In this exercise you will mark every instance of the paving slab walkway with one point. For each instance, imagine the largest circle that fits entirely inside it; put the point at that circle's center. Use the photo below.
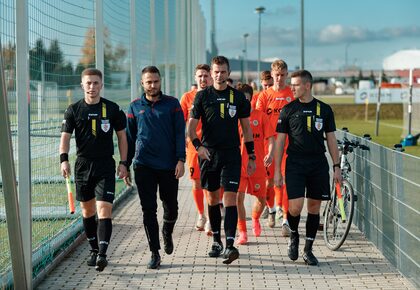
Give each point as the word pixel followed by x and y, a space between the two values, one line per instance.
pixel 263 263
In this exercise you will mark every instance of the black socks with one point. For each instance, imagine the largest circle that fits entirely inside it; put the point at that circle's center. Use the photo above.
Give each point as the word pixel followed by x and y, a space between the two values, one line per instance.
pixel 104 234
pixel 90 227
pixel 312 224
pixel 215 221
pixel 293 222
pixel 231 221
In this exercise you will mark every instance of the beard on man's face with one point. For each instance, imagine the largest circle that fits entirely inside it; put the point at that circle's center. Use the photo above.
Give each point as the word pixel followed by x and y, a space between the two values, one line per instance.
pixel 153 92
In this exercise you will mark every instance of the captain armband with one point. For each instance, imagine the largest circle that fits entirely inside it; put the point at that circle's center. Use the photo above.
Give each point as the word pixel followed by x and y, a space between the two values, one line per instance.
pixel 249 147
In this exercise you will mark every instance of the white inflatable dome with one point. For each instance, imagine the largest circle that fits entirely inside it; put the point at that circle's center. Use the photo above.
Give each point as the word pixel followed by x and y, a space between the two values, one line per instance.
pixel 403 59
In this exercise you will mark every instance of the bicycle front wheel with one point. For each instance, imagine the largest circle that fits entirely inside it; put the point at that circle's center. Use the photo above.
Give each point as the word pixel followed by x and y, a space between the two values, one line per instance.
pixel 336 227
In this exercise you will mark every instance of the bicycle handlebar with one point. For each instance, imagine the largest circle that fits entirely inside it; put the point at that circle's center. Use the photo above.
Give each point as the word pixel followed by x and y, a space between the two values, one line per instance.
pixel 348 145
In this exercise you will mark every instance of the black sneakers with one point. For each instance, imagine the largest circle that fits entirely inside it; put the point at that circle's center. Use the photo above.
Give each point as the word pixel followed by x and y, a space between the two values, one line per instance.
pixel 309 258
pixel 216 250
pixel 101 263
pixel 154 262
pixel 293 246
pixel 92 258
pixel 231 254
pixel 168 244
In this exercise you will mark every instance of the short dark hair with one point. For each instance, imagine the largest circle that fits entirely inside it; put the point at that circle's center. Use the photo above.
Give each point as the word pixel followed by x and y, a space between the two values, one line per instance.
pixel 91 72
pixel 220 60
pixel 245 88
pixel 304 75
pixel 203 66
pixel 229 80
pixel 265 75
pixel 150 69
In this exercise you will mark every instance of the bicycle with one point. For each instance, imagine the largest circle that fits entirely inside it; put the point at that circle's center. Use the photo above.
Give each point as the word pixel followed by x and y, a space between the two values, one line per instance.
pixel 339 211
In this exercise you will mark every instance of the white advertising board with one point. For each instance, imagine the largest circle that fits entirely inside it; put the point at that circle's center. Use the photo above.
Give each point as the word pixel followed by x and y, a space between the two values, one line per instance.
pixel 387 96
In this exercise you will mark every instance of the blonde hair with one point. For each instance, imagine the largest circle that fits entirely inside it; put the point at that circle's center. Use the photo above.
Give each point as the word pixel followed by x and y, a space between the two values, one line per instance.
pixel 279 65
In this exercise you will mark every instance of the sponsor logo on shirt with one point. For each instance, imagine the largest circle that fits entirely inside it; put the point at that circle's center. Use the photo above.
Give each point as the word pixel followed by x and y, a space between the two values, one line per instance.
pixel 279 99
pixel 305 111
pixel 110 192
pixel 221 99
pixel 141 112
pixel 276 111
pixel 233 182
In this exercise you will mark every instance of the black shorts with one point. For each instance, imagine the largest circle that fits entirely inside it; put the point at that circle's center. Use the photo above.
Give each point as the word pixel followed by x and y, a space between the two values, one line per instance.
pixel 95 178
pixel 224 168
pixel 310 173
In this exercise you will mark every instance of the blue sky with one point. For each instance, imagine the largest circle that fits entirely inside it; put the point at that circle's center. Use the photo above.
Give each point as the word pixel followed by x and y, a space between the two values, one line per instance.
pixel 371 30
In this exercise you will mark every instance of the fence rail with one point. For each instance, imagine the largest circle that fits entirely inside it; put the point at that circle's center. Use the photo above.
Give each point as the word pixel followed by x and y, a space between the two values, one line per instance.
pixel 388 208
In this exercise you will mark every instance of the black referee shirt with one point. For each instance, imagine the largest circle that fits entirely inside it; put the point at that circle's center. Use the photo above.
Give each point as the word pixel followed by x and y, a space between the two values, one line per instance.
pixel 219 112
pixel 305 124
pixel 94 125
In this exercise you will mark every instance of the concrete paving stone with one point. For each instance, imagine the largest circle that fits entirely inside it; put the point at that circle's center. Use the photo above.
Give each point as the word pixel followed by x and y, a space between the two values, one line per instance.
pixel 263 262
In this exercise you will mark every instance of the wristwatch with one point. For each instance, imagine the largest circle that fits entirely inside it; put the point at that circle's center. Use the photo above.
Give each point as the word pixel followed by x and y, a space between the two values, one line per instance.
pixel 124 162
pixel 252 157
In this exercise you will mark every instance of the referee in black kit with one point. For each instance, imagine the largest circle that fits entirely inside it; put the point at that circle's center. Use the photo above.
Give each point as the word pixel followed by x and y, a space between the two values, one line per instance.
pixel 94 119
pixel 306 121
pixel 220 107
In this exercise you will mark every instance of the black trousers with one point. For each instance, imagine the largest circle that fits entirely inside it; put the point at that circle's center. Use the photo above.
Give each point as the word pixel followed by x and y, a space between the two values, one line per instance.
pixel 148 180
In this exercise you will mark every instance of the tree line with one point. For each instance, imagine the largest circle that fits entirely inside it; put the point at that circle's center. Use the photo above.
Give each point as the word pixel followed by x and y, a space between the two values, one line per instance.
pixel 49 63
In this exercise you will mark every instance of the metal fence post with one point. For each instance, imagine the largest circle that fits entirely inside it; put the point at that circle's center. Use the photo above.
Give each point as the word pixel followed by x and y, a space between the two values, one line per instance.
pixel 10 191
pixel 24 141
pixel 99 36
pixel 133 50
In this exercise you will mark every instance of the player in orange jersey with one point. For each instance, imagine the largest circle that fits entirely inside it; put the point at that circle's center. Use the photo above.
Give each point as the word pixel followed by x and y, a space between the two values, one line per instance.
pixel 266 81
pixel 271 101
pixel 203 79
pixel 255 184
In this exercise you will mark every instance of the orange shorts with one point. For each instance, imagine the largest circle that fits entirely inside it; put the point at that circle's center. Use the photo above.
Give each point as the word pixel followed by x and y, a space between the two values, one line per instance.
pixel 253 185
pixel 192 163
pixel 270 169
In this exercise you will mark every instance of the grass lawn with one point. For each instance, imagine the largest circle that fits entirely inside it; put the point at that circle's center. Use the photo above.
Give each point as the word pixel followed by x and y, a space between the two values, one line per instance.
pixel 336 99
pixel 389 132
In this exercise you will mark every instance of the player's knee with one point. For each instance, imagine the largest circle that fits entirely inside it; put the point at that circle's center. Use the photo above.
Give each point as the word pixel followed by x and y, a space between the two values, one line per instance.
pixel 196 184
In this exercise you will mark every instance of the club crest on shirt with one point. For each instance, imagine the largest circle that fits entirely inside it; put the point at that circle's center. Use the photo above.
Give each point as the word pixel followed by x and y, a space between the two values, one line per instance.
pixel 105 126
pixel 255 122
pixel 257 186
pixel 318 124
pixel 232 111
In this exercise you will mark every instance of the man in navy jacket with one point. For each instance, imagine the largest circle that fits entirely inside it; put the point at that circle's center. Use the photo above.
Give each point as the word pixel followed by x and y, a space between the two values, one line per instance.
pixel 156 147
